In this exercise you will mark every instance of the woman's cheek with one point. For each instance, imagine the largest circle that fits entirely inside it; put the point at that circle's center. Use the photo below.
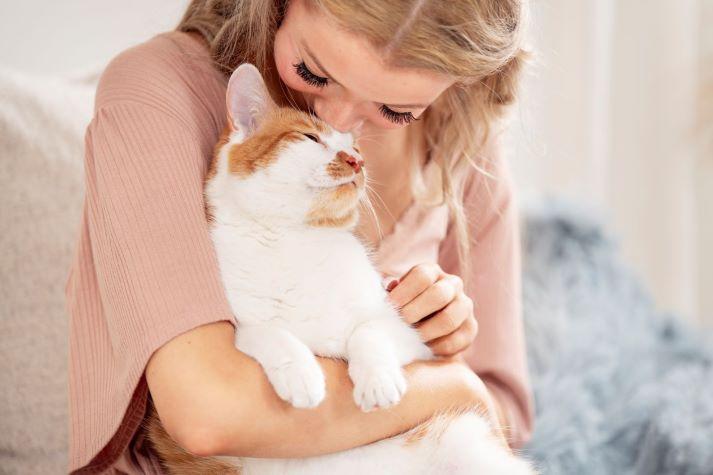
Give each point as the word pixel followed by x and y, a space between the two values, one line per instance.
pixel 285 71
pixel 384 123
pixel 284 58
pixel 292 80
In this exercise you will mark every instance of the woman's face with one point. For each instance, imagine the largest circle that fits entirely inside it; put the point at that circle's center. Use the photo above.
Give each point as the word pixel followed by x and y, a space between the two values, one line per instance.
pixel 342 78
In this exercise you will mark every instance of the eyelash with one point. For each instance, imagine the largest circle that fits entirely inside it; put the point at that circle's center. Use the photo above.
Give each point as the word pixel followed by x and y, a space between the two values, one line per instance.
pixel 397 117
pixel 308 76
pixel 317 81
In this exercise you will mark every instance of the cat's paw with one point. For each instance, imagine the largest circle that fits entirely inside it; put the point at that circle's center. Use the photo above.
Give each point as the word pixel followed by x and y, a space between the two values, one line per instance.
pixel 301 384
pixel 379 385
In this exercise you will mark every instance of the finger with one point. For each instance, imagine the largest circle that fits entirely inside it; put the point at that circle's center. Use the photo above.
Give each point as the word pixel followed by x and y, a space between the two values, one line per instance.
pixel 445 321
pixel 455 342
pixel 415 281
pixel 457 281
pixel 433 299
pixel 389 282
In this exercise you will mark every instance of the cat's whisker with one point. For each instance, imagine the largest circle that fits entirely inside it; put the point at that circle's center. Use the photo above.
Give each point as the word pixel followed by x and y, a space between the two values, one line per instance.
pixel 369 187
pixel 370 207
pixel 288 95
pixel 385 207
pixel 372 181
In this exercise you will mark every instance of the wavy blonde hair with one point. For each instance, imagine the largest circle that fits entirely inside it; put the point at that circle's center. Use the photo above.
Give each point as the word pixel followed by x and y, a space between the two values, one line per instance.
pixel 479 42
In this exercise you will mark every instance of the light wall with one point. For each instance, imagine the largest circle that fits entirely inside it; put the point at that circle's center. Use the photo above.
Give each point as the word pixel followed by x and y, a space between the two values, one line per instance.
pixel 614 114
pixel 72 35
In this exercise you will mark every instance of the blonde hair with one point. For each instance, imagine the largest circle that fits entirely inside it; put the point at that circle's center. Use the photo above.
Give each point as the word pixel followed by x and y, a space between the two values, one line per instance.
pixel 479 42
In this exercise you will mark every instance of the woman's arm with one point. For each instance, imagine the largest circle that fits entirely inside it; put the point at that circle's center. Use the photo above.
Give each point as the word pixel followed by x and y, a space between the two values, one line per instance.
pixel 214 400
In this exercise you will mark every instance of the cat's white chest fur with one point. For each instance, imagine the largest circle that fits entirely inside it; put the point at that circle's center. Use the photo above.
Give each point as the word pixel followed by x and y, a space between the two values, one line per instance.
pixel 297 291
pixel 317 284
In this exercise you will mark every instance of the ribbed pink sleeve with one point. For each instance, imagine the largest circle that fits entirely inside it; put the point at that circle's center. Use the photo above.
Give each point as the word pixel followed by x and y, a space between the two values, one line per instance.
pixel 152 257
pixel 497 355
pixel 145 269
pixel 153 261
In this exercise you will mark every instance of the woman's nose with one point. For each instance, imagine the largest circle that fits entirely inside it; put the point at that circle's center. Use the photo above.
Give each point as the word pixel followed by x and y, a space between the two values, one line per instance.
pixel 341 116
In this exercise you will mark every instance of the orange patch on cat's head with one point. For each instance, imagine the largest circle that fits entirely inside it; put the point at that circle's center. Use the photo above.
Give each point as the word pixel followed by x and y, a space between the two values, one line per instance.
pixel 281 127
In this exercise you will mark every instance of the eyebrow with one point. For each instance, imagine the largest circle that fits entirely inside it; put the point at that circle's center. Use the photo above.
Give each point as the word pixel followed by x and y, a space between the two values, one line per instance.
pixel 329 76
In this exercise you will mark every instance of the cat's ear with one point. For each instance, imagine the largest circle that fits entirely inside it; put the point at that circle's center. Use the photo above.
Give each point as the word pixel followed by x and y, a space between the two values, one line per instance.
pixel 247 99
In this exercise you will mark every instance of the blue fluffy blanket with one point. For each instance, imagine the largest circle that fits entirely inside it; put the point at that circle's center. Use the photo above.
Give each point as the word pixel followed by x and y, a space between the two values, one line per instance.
pixel 620 388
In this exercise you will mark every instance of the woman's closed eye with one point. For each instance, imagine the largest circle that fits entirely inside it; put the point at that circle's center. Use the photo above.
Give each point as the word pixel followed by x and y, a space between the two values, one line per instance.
pixel 308 76
pixel 397 117
pixel 318 81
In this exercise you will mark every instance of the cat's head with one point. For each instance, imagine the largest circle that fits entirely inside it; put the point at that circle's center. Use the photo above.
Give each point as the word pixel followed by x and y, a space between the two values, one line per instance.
pixel 283 163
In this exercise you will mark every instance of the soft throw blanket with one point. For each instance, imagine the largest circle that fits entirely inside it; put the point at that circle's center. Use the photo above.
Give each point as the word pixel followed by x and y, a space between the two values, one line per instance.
pixel 620 388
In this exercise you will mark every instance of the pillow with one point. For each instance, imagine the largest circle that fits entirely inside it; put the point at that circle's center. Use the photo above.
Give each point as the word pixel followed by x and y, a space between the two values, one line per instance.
pixel 42 124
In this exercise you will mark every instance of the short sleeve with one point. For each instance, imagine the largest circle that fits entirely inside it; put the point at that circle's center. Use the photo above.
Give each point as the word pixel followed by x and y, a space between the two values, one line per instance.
pixel 156 268
pixel 497 355
pixel 145 269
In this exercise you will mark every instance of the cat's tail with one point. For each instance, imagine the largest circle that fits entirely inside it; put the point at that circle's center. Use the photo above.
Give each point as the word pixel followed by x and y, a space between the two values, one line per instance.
pixel 454 442
pixel 460 442
pixel 173 458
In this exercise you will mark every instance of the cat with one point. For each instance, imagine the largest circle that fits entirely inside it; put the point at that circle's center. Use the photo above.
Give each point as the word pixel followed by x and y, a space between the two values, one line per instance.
pixel 282 198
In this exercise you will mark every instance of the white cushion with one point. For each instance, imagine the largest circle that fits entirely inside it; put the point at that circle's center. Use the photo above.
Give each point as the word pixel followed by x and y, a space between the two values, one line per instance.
pixel 42 124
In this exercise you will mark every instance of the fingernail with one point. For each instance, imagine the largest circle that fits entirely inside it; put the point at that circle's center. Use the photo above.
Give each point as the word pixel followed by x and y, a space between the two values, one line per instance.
pixel 390 283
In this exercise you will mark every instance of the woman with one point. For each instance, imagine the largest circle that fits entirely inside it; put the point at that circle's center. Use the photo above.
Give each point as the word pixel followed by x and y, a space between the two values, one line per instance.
pixel 419 82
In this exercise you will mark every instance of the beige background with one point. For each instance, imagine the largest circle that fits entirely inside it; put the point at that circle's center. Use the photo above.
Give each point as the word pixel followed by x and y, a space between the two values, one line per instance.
pixel 615 112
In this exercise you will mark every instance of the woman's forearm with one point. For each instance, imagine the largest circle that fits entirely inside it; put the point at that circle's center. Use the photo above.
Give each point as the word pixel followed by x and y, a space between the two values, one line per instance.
pixel 266 426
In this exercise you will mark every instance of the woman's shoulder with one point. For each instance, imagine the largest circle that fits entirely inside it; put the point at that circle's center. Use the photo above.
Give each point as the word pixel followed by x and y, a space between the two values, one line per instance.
pixel 489 189
pixel 492 178
pixel 172 71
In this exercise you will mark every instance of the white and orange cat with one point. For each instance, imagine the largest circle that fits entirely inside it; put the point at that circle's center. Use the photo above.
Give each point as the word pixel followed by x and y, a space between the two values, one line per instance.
pixel 282 197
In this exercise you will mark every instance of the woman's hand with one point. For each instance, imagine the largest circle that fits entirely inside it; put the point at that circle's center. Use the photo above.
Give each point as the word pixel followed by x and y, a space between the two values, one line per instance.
pixel 434 302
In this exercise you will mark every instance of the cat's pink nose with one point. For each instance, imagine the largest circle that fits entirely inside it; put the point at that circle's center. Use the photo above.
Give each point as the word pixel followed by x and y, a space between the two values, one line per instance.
pixel 355 162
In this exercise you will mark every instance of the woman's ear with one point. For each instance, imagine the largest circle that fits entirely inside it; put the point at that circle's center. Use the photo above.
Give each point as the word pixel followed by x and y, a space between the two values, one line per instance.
pixel 247 99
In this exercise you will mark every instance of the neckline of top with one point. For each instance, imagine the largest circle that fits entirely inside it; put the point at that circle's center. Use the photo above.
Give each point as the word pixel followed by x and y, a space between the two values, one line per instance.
pixel 408 217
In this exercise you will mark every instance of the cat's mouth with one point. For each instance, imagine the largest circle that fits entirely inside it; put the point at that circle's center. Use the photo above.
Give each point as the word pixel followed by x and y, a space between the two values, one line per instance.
pixel 355 181
pixel 320 183
pixel 342 181
pixel 350 181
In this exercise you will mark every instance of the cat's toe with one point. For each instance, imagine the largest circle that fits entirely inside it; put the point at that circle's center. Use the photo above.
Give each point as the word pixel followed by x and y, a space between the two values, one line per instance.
pixel 380 386
pixel 301 385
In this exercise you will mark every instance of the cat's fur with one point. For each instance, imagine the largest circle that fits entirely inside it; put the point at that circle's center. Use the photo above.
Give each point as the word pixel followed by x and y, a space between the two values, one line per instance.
pixel 282 198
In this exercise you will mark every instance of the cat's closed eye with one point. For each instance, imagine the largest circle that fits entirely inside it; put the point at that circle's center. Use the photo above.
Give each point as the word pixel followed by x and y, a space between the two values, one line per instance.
pixel 312 137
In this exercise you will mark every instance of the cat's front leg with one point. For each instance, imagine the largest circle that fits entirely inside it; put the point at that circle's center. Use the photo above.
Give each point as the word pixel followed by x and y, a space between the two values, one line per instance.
pixel 374 366
pixel 289 364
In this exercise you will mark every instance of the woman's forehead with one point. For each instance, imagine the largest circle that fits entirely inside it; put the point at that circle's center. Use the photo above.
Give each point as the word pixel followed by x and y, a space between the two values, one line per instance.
pixel 356 65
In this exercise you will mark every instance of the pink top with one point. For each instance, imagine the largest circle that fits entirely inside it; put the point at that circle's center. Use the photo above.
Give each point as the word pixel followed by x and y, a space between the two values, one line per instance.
pixel 145 271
